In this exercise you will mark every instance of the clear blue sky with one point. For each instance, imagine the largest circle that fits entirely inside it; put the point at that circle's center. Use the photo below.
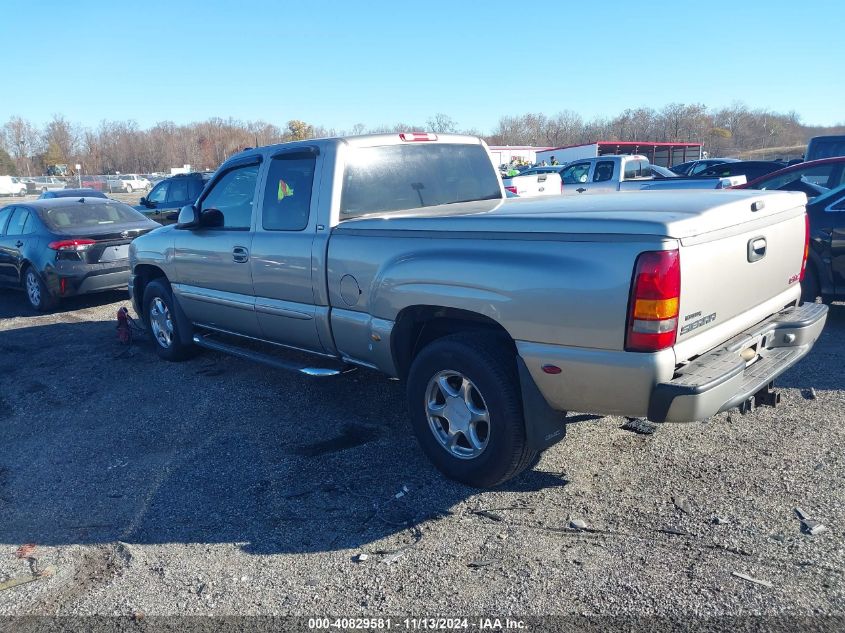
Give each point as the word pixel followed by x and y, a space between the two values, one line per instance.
pixel 337 63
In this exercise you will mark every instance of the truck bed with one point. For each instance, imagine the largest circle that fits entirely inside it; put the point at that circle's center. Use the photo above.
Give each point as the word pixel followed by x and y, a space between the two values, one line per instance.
pixel 660 213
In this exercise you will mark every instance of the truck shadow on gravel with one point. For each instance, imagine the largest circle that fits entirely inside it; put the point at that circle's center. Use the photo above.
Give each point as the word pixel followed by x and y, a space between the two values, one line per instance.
pixel 104 443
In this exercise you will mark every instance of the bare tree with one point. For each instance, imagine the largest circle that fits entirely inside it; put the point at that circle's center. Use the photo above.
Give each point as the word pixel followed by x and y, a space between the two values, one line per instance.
pixel 21 140
pixel 441 124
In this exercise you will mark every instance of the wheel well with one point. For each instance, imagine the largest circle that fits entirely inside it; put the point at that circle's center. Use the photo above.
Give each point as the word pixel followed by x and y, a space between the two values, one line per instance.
pixel 144 274
pixel 22 271
pixel 417 326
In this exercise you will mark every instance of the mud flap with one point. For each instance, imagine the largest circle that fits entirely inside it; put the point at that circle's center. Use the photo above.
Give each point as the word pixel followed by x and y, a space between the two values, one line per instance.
pixel 186 330
pixel 543 425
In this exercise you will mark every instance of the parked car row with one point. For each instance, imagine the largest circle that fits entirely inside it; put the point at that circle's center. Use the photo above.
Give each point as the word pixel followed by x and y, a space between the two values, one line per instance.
pixel 29 185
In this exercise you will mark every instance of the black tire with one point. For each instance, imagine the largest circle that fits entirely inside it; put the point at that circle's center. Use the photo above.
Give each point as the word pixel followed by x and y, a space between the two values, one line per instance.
pixel 22 193
pixel 810 288
pixel 170 347
pixel 40 300
pixel 488 362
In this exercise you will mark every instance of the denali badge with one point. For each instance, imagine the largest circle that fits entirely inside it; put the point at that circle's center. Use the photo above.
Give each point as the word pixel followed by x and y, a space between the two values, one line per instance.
pixel 689 327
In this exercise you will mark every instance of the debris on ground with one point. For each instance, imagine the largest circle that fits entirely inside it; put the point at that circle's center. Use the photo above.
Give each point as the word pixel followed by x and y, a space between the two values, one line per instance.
pixel 25 551
pixel 392 558
pixel 675 531
pixel 360 558
pixel 809 394
pixel 717 520
pixel 490 515
pixel 47 572
pixel 478 564
pixel 756 581
pixel 682 504
pixel 402 492
pixel 808 525
pixel 641 426
pixel 578 524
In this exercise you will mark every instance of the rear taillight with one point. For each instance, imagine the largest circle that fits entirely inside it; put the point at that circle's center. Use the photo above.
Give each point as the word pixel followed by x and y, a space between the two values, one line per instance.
pixel 511 189
pixel 71 245
pixel 806 245
pixel 655 297
pixel 418 136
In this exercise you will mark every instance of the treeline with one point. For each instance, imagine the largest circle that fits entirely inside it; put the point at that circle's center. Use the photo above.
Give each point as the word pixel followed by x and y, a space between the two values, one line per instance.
pixel 122 146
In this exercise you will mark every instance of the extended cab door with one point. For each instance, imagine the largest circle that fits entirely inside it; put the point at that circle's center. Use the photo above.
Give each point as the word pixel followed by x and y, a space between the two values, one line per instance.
pixel 212 261
pixel 282 270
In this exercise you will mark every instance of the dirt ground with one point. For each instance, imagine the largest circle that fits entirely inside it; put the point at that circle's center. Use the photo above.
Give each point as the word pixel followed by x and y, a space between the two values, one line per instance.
pixel 216 486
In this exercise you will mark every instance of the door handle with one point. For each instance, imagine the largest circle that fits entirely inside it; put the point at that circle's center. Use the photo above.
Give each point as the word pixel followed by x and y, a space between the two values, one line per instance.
pixel 240 255
pixel 18 243
pixel 756 248
pixel 580 190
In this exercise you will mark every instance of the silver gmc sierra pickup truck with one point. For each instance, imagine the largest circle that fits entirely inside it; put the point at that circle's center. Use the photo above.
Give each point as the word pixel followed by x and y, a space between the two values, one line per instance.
pixel 400 253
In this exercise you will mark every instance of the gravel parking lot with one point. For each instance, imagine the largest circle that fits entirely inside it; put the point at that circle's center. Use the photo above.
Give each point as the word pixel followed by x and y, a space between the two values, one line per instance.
pixel 216 486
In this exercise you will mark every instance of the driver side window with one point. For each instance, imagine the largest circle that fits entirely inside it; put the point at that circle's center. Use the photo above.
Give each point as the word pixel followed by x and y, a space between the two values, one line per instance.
pixel 230 199
pixel 159 193
pixel 575 174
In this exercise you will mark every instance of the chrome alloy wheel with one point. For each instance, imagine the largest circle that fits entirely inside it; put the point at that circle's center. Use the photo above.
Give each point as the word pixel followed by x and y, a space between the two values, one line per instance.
pixel 33 288
pixel 160 323
pixel 457 414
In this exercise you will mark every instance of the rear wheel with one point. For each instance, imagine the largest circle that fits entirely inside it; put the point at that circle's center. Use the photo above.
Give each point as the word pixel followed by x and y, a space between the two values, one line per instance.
pixel 160 317
pixel 22 193
pixel 466 408
pixel 36 292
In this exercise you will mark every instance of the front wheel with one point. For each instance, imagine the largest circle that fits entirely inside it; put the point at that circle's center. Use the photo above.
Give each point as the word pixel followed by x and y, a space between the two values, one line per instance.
pixel 160 317
pixel 466 408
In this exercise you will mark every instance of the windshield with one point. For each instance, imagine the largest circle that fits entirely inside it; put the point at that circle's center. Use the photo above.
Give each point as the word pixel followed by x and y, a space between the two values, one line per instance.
pixel 400 177
pixel 89 215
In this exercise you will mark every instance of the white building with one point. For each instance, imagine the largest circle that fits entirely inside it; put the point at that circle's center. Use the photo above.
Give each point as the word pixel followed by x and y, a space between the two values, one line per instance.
pixel 504 154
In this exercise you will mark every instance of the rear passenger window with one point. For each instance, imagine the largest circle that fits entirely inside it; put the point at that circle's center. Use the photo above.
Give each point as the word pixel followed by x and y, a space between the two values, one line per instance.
pixel 604 171
pixel 178 190
pixel 4 215
pixel 18 222
pixel 232 195
pixel 287 195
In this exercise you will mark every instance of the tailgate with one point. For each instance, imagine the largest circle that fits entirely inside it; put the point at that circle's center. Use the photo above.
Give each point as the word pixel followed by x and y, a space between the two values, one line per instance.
pixel 534 185
pixel 736 277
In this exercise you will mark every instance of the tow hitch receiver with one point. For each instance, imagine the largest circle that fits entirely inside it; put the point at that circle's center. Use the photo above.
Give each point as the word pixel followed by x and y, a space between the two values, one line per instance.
pixel 767 396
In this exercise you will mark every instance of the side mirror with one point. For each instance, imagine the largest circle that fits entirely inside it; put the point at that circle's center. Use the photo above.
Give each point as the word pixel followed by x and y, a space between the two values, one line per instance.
pixel 188 218
pixel 143 202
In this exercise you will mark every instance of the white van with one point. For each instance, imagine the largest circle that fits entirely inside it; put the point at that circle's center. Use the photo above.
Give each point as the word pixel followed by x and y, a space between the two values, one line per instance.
pixel 11 186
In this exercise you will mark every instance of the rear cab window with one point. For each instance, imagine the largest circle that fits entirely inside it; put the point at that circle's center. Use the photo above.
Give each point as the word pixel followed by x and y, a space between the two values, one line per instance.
pixel 412 176
pixel 636 169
